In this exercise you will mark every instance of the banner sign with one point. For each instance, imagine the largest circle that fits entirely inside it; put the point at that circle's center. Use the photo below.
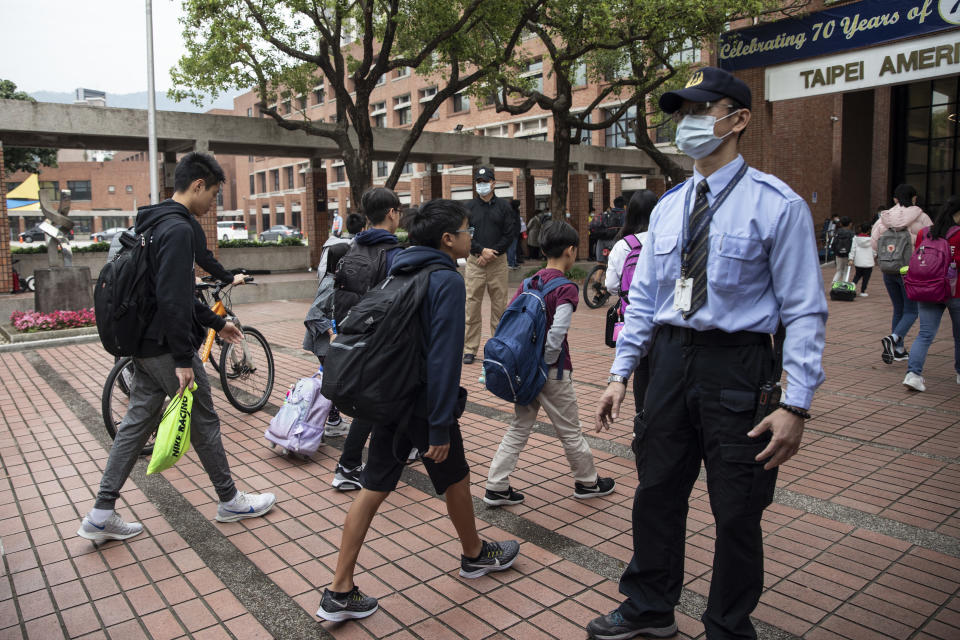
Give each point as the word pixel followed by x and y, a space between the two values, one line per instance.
pixel 896 63
pixel 851 26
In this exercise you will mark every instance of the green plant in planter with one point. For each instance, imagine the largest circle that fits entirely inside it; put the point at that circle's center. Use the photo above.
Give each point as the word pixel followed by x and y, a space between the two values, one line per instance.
pixel 28 250
pixel 575 274
pixel 93 248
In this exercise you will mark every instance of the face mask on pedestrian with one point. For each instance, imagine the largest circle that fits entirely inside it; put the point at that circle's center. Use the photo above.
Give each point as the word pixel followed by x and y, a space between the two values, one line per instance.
pixel 695 135
pixel 484 188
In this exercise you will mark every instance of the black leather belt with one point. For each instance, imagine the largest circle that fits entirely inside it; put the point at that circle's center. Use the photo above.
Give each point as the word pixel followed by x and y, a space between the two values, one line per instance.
pixel 712 337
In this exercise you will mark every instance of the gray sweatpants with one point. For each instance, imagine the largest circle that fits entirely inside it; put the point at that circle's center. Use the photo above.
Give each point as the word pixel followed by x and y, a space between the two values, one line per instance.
pixel 156 379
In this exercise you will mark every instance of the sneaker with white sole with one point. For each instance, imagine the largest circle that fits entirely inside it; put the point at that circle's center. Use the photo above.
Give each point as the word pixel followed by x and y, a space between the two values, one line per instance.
pixel 502 498
pixel 347 479
pixel 494 556
pixel 245 505
pixel 113 529
pixel 888 344
pixel 864 294
pixel 901 355
pixel 336 426
pixel 353 605
pixel 914 381
pixel 602 487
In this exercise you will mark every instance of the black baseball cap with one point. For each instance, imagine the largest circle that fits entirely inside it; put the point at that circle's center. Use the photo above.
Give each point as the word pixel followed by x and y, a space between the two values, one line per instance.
pixel 706 85
pixel 484 174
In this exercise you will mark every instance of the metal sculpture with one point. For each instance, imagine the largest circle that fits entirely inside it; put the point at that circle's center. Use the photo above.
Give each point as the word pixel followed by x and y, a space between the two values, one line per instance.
pixel 57 225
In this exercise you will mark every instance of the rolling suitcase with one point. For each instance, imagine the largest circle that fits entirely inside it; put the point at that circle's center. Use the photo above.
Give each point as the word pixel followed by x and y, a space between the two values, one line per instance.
pixel 844 289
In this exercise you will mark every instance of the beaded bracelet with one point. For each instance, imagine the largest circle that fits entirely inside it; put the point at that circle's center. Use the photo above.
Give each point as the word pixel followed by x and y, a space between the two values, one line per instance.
pixel 797 411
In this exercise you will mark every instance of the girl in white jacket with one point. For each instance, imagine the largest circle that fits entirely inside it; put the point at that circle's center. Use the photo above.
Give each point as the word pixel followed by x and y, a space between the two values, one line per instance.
pixel 862 257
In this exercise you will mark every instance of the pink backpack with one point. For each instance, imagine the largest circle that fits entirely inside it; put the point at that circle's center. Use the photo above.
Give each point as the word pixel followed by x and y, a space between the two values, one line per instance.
pixel 927 278
pixel 629 267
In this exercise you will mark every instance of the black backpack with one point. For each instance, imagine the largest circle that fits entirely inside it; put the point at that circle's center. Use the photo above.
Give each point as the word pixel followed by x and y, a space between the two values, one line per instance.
pixel 123 301
pixel 374 368
pixel 842 243
pixel 363 266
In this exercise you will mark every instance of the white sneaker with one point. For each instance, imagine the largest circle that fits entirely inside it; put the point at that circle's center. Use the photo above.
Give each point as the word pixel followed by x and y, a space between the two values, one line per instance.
pixel 864 294
pixel 113 529
pixel 914 381
pixel 245 505
pixel 337 429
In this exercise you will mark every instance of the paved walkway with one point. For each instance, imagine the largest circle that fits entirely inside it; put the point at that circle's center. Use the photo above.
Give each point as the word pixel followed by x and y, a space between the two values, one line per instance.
pixel 862 541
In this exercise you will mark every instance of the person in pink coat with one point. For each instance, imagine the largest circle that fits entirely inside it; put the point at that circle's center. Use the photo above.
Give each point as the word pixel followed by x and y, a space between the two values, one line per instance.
pixel 905 214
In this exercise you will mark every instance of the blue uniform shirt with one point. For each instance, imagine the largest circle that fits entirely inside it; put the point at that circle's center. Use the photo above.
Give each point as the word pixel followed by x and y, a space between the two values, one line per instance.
pixel 763 266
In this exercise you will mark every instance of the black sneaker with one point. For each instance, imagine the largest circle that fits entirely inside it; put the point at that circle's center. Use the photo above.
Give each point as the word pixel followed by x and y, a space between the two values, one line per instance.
pixel 613 626
pixel 887 355
pixel 347 480
pixel 602 487
pixel 500 498
pixel 494 556
pixel 348 606
pixel 468 358
pixel 901 355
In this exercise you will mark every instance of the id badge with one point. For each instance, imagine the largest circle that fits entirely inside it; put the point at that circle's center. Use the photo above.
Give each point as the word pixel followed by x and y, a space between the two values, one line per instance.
pixel 682 294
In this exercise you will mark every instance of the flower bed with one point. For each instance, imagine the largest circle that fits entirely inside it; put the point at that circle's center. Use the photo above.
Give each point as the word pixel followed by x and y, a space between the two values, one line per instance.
pixel 32 321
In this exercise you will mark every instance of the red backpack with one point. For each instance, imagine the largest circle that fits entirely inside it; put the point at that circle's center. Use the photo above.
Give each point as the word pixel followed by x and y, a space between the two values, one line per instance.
pixel 927 278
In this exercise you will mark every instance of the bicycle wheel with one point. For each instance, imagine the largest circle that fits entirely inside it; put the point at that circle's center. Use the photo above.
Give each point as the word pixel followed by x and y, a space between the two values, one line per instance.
pixel 116 396
pixel 594 293
pixel 215 350
pixel 246 371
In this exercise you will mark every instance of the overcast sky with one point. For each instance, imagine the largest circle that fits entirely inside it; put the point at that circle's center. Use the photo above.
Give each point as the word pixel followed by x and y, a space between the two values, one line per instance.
pixel 59 45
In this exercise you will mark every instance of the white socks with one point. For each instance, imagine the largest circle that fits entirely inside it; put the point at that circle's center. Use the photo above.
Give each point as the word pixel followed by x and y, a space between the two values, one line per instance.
pixel 99 516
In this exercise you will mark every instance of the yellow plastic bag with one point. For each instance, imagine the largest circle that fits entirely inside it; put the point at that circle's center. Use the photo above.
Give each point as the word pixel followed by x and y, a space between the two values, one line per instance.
pixel 173 434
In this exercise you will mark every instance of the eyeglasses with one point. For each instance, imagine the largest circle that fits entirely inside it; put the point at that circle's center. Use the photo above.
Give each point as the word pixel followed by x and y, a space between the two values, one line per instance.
pixel 469 230
pixel 699 109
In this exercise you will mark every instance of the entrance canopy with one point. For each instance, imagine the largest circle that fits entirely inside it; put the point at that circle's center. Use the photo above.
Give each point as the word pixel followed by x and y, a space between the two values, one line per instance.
pixel 26 196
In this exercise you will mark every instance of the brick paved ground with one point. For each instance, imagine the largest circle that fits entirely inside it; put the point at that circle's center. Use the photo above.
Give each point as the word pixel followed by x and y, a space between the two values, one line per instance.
pixel 863 540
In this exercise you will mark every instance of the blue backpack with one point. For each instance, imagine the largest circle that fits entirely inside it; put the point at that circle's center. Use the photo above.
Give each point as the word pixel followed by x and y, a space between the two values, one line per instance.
pixel 513 361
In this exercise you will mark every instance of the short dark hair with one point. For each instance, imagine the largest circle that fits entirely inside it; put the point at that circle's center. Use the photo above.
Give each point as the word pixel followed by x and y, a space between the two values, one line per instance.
pixel 515 204
pixel 355 223
pixel 619 202
pixel 427 224
pixel 196 166
pixel 905 194
pixel 377 202
pixel 556 236
pixel 845 221
pixel 865 227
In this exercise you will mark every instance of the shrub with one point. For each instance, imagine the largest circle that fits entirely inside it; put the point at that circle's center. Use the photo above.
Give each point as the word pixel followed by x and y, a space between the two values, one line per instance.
pixel 25 250
pixel 576 274
pixel 93 248
pixel 255 244
pixel 32 321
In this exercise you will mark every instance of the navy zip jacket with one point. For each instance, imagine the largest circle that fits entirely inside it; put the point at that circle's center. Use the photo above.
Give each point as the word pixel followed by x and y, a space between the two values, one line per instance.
pixel 178 326
pixel 442 323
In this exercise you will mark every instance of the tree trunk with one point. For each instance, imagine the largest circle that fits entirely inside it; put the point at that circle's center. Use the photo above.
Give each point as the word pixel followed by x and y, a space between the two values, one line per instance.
pixel 671 169
pixel 561 163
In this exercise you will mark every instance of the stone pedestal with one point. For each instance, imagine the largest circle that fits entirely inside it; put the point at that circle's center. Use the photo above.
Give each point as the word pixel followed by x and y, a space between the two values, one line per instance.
pixel 63 289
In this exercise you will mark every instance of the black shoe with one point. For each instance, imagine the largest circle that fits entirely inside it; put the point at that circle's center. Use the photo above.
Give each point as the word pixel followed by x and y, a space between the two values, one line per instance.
pixel 613 626
pixel 500 498
pixel 494 556
pixel 347 480
pixel 901 355
pixel 887 355
pixel 349 606
pixel 602 487
pixel 468 358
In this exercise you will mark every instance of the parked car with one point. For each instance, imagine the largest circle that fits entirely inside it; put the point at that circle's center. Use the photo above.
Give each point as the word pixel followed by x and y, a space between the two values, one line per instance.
pixel 36 234
pixel 279 231
pixel 232 230
pixel 107 235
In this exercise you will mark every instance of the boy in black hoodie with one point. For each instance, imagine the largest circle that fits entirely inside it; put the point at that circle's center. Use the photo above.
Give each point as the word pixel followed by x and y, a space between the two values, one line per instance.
pixel 440 234
pixel 166 362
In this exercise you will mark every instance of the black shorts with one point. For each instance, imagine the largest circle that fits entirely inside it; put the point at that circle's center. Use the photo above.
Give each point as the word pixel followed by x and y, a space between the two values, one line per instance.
pixel 384 460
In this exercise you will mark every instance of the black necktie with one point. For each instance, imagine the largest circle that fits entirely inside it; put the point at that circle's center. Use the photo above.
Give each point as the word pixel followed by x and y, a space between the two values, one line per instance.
pixel 699 250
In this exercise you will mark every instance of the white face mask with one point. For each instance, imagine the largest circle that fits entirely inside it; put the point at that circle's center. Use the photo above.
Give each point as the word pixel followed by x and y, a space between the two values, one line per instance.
pixel 695 135
pixel 484 188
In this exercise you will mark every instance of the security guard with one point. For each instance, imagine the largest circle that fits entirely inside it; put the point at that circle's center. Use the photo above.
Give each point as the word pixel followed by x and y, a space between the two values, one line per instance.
pixel 495 226
pixel 730 254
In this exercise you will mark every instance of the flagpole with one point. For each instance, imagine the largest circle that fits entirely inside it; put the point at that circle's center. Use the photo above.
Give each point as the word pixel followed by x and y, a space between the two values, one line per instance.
pixel 151 111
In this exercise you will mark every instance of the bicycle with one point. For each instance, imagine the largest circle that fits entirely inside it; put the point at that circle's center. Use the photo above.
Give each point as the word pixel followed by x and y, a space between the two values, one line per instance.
pixel 595 293
pixel 246 370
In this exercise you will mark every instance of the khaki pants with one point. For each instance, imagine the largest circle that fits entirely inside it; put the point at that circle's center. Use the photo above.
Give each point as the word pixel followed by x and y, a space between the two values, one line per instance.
pixel 492 279
pixel 559 401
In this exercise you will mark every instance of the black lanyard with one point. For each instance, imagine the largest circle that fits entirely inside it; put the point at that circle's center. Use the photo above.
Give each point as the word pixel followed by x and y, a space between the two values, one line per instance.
pixel 707 216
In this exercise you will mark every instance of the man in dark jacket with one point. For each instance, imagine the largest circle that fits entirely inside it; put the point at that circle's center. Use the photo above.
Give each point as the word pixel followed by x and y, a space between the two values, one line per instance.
pixel 495 226
pixel 166 362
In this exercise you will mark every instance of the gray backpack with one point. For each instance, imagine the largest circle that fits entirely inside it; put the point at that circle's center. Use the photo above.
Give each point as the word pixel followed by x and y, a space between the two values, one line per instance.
pixel 894 248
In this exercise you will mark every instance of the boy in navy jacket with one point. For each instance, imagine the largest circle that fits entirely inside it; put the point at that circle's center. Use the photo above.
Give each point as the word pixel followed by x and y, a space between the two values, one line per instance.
pixel 440 235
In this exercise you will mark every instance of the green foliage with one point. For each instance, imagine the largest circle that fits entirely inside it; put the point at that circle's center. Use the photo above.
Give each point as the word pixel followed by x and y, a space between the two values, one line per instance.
pixel 28 250
pixel 28 159
pixel 256 244
pixel 575 274
pixel 96 247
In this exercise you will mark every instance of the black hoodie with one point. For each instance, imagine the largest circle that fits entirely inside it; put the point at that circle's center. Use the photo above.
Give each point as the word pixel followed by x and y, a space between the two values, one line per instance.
pixel 178 324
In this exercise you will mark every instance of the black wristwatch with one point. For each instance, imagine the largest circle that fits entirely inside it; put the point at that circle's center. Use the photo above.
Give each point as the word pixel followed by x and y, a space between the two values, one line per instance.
pixel 797 411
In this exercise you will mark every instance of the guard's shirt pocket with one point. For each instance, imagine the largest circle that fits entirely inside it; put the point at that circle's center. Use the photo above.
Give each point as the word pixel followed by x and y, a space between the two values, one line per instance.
pixel 737 261
pixel 666 257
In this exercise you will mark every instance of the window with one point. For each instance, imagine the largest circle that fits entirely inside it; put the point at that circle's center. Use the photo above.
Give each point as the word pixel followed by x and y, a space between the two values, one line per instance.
pixel 340 174
pixel 586 136
pixel 253 186
pixel 286 106
pixel 79 189
pixel 461 102
pixel 689 53
pixel 499 131
pixel 401 107
pixel 129 188
pixel 52 187
pixel 666 132
pixel 534 71
pixel 378 114
pixel 249 112
pixel 220 198
pixel 318 94
pixel 403 72
pixel 407 168
pixel 532 129
pixel 111 189
pixel 382 169
pixel 275 174
pixel 580 75
pixel 427 94
pixel 620 133
pixel 289 172
pixel 263 182
pixel 381 80
pixel 302 102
